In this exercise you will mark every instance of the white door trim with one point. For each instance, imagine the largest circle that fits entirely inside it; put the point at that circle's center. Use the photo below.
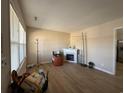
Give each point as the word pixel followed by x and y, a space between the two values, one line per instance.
pixel 114 47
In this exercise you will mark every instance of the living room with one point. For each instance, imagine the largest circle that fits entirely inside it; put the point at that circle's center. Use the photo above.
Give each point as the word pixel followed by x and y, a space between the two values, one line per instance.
pixel 63 38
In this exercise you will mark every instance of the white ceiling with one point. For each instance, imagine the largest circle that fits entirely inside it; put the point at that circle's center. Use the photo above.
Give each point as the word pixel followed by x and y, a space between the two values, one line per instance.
pixel 70 15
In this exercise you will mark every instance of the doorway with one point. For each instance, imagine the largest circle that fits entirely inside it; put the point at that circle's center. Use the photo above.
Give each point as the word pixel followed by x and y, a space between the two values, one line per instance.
pixel 118 34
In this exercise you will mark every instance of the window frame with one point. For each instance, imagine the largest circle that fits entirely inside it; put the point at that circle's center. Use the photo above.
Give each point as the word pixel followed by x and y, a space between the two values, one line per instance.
pixel 13 17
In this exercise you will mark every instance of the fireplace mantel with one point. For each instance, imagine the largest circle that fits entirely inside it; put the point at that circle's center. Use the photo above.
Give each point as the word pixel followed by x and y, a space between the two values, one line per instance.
pixel 70 51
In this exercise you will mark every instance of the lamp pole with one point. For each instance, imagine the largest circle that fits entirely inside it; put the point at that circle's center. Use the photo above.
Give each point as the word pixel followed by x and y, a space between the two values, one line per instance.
pixel 83 50
pixel 37 42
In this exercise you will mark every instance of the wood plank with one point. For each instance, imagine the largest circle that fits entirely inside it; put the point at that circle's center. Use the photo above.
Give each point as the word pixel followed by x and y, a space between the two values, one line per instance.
pixel 72 78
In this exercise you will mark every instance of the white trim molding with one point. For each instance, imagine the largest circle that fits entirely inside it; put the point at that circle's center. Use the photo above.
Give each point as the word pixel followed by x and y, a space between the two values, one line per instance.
pixel 114 47
pixel 103 70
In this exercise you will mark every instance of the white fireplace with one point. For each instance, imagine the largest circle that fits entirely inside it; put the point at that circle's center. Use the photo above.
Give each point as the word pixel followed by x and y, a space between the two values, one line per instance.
pixel 71 55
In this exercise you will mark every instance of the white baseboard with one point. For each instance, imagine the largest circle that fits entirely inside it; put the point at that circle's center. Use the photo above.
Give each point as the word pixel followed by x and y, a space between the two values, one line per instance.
pixel 104 70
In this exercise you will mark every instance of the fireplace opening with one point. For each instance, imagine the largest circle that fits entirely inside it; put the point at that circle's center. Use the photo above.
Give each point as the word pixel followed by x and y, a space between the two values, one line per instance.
pixel 70 57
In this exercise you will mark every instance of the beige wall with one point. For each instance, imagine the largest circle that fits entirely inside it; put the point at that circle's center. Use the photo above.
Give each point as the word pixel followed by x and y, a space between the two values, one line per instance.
pixel 48 42
pixel 99 44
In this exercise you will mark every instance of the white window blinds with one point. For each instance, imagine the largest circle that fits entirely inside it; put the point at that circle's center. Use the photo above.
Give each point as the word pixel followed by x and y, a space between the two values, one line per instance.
pixel 18 40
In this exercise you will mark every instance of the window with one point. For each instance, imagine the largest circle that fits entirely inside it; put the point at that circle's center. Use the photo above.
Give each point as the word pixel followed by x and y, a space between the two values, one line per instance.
pixel 18 41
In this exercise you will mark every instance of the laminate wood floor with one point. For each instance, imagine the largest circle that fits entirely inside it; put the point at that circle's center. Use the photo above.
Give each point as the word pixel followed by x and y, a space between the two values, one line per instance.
pixel 72 78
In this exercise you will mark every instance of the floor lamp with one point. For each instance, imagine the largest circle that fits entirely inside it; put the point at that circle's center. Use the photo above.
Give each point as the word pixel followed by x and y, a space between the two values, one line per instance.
pixel 83 50
pixel 37 44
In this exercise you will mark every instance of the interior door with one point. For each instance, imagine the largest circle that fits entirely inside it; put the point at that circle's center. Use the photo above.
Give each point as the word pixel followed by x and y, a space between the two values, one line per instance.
pixel 120 45
pixel 120 51
pixel 5 47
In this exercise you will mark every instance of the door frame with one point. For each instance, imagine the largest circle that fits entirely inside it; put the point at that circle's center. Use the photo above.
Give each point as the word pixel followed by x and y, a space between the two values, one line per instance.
pixel 114 47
